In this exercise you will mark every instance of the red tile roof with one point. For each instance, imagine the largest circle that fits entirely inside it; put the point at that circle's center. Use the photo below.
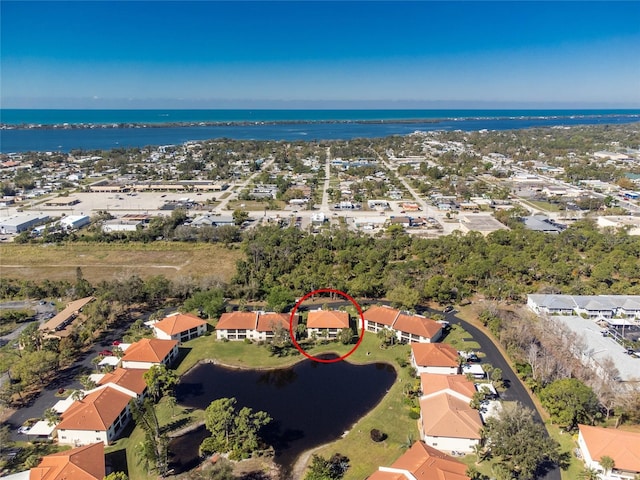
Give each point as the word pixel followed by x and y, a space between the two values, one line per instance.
pixel 267 321
pixel 623 447
pixel 434 355
pixel 425 463
pixel 96 411
pixel 381 314
pixel 433 383
pixel 447 416
pixel 417 325
pixel 327 319
pixel 83 463
pixel 151 350
pixel 237 321
pixel 131 379
pixel 178 323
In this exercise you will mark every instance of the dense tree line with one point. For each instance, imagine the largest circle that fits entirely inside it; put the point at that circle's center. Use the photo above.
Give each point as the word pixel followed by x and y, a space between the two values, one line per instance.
pixel 504 265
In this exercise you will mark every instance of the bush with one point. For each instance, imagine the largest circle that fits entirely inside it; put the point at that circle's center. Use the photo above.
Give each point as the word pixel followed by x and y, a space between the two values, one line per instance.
pixel 377 435
pixel 402 362
pixel 413 414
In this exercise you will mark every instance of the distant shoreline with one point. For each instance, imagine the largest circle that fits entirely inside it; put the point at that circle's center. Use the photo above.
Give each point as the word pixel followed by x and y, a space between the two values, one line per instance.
pixel 246 123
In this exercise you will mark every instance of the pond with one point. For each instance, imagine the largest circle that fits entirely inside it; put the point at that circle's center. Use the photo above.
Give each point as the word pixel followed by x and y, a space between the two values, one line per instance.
pixel 311 403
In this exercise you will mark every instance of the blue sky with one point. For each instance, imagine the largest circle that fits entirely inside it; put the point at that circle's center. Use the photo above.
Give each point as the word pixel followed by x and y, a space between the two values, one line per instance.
pixel 298 54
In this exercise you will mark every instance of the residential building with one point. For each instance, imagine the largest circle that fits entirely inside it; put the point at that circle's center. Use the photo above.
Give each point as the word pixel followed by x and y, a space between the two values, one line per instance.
pixel 99 417
pixel 448 423
pixel 439 358
pixel 82 463
pixel 56 326
pixel 326 323
pixel 258 326
pixel 422 462
pixel 408 328
pixel 180 326
pixel 148 352
pixel 236 325
pixel 621 446
pixel 130 379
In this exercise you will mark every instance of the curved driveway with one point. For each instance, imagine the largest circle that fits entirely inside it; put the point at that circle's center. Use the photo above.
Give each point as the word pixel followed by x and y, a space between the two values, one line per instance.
pixel 515 391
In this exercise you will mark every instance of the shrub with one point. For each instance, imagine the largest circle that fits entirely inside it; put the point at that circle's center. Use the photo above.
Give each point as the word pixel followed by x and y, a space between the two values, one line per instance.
pixel 413 414
pixel 377 435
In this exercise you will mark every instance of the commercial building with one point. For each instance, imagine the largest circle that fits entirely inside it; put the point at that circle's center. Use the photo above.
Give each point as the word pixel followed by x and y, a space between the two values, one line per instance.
pixel 22 223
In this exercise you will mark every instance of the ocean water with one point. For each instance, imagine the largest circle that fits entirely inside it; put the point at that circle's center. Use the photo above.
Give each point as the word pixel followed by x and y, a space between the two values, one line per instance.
pixel 66 130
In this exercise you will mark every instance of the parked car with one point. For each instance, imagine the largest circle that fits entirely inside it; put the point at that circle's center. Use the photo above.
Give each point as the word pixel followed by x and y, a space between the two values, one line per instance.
pixel 448 309
pixel 106 353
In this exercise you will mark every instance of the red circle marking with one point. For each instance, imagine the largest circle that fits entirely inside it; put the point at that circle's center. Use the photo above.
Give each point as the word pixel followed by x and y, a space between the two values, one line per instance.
pixel 293 337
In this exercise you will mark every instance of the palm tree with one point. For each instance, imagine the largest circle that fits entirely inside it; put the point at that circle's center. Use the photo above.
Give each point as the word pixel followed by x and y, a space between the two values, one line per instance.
pixel 607 463
pixel 52 417
pixel 590 474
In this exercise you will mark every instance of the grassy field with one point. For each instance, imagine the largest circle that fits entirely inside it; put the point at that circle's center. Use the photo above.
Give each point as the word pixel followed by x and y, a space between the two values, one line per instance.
pixel 255 205
pixel 106 261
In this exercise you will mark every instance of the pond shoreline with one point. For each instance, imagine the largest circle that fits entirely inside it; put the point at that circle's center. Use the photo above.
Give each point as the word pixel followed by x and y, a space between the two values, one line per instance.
pixel 300 462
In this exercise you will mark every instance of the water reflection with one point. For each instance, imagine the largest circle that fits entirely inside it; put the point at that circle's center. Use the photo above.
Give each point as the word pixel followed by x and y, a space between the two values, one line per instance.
pixel 311 403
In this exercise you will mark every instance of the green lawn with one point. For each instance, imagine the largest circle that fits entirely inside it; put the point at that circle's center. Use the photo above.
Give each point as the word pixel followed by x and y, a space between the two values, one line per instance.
pixel 170 420
pixel 460 339
pixel 568 443
pixel 390 416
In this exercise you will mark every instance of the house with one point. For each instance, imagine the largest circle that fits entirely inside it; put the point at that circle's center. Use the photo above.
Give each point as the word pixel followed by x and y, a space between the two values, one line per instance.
pixel 622 447
pixel 408 328
pixel 236 325
pixel 258 326
pixel 417 328
pixel 180 326
pixel 130 379
pixel 326 323
pixel 422 462
pixel 459 386
pixel 439 358
pixel 99 417
pixel 448 423
pixel 56 326
pixel 150 351
pixel 268 323
pixel 82 463
pixel 378 317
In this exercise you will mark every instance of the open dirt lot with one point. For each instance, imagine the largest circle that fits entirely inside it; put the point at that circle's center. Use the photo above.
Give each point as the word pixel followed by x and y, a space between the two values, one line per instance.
pixel 108 261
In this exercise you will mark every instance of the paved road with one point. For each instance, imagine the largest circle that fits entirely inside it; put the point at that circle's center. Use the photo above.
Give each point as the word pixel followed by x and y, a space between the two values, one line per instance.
pixel 68 380
pixel 324 207
pixel 515 391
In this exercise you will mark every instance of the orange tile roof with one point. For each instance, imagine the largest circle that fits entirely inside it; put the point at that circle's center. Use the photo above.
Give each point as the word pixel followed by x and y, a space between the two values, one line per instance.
pixel 178 323
pixel 237 321
pixel 149 350
pixel 433 383
pixel 417 325
pixel 447 416
pixel 623 447
pixel 96 411
pixel 381 314
pixel 434 355
pixel 327 319
pixel 425 463
pixel 380 475
pixel 131 379
pixel 83 463
pixel 267 321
